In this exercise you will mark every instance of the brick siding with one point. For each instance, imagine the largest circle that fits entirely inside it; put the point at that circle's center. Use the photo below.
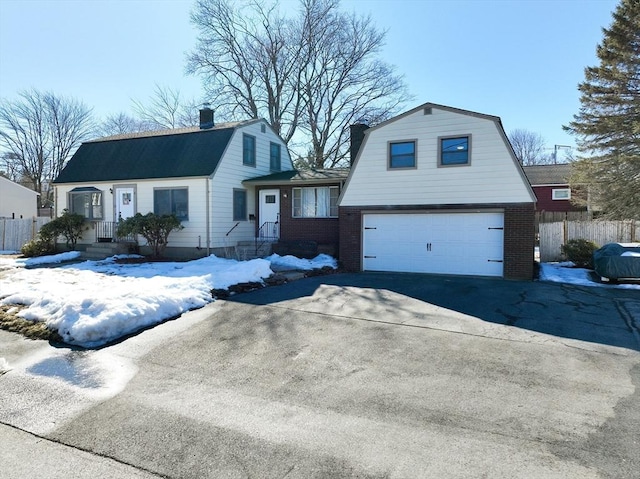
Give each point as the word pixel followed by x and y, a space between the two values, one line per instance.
pixel 519 234
pixel 324 231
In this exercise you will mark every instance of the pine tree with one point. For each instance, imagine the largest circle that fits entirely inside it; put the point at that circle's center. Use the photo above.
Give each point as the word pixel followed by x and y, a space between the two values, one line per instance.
pixel 607 126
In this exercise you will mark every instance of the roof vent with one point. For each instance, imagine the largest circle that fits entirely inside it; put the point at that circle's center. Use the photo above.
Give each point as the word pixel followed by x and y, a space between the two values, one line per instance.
pixel 206 117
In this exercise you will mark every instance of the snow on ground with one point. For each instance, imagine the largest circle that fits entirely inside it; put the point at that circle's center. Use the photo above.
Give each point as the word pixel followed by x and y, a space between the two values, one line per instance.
pixel 567 273
pixel 94 302
pixel 91 303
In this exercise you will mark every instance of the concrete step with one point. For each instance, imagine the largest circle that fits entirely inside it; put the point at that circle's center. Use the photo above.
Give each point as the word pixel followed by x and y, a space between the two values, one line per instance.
pixel 98 251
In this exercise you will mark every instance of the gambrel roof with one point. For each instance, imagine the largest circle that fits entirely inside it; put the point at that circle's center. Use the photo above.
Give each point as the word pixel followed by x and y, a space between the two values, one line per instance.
pixel 179 153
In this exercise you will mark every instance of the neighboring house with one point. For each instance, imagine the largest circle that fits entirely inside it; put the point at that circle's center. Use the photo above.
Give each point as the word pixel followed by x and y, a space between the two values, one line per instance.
pixel 17 201
pixel 550 183
pixel 195 173
pixel 438 190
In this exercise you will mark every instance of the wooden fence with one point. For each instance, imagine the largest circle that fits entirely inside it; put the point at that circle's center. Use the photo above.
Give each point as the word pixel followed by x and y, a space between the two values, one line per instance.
pixel 15 233
pixel 554 235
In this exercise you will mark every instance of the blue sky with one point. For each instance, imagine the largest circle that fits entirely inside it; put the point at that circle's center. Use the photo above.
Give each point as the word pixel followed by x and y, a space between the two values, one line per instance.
pixel 520 60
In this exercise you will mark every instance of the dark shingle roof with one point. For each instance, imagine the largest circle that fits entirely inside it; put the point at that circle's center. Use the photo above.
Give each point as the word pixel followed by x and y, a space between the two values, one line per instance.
pixel 178 153
pixel 302 176
pixel 548 174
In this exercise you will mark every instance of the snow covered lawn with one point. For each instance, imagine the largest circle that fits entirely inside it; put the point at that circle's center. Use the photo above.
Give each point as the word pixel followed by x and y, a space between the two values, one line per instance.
pixel 94 302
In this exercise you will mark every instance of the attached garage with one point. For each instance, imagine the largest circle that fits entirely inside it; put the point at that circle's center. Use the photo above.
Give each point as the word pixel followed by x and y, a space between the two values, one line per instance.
pixel 446 242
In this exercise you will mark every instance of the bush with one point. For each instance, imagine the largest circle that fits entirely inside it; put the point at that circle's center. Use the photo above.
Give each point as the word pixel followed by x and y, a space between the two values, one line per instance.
pixel 37 247
pixel 68 225
pixel 154 228
pixel 580 252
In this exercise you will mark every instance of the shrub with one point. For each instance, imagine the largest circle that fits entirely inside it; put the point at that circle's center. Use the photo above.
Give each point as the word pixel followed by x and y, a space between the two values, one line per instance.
pixel 154 228
pixel 580 252
pixel 37 247
pixel 68 225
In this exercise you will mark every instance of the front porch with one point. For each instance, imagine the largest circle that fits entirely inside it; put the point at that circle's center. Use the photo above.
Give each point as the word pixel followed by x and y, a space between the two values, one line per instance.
pixel 106 242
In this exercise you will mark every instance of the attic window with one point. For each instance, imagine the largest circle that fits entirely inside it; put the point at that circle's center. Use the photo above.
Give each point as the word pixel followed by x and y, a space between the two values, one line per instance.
pixel 454 151
pixel 248 150
pixel 402 154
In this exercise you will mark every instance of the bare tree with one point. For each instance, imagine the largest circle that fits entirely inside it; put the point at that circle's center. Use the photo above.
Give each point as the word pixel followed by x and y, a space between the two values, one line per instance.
pixel 312 73
pixel 122 123
pixel 166 109
pixel 529 147
pixel 250 60
pixel 40 131
pixel 344 81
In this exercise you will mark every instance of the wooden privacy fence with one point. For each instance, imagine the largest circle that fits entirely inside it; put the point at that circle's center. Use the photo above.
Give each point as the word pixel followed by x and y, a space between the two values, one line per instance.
pixel 554 235
pixel 15 233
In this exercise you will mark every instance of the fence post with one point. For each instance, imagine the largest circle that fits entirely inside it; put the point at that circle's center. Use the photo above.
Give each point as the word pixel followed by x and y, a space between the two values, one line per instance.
pixel 565 231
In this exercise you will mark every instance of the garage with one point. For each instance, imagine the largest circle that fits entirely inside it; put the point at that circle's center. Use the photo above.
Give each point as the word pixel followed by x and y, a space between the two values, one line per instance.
pixel 464 243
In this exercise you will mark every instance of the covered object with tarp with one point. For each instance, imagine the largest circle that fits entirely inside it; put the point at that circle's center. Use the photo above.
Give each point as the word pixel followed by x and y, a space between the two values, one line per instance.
pixel 617 261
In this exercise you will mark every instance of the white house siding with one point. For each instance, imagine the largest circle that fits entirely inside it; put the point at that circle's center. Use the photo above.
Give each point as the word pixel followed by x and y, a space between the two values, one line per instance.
pixel 16 201
pixel 492 177
pixel 188 237
pixel 229 176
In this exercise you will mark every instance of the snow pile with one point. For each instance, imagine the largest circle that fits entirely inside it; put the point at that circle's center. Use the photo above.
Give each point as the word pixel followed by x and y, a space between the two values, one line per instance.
pixel 567 273
pixel 291 262
pixel 56 258
pixel 94 302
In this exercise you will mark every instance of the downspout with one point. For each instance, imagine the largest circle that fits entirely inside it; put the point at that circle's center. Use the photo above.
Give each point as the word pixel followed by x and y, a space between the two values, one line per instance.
pixel 208 220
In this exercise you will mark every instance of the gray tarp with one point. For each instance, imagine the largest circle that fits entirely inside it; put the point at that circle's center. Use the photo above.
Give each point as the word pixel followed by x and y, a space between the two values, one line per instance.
pixel 608 262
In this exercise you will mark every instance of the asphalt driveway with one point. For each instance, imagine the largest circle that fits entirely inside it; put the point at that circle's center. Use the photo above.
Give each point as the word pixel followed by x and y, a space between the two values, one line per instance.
pixel 365 375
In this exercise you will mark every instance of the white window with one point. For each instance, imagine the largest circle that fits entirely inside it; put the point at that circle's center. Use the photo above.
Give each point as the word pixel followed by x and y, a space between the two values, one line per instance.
pixel 561 194
pixel 321 202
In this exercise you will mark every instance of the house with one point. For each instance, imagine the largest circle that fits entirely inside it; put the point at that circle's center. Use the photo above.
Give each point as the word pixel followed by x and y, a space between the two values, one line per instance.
pixel 305 204
pixel 195 173
pixel 437 190
pixel 17 201
pixel 550 183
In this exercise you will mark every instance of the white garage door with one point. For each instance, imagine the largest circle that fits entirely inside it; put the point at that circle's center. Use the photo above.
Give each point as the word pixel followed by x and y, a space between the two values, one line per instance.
pixel 445 243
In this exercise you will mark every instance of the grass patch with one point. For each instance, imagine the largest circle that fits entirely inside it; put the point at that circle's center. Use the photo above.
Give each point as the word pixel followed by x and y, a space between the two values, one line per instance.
pixel 10 321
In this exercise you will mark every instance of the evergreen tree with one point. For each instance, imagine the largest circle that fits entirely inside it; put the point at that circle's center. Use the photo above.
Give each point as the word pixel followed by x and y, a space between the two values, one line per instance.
pixel 607 126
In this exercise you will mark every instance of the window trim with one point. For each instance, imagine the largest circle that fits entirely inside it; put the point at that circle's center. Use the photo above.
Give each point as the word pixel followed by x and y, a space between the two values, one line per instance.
pixel 246 136
pixel 390 157
pixel 334 188
pixel 451 137
pixel 233 204
pixel 171 188
pixel 271 157
pixel 90 191
pixel 554 191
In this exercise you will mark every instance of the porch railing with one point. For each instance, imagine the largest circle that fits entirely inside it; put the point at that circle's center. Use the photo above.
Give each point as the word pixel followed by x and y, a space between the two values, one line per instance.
pixel 268 232
pixel 107 232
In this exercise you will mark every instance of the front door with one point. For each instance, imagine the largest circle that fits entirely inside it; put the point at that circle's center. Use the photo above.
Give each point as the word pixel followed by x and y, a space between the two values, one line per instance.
pixel 269 214
pixel 125 202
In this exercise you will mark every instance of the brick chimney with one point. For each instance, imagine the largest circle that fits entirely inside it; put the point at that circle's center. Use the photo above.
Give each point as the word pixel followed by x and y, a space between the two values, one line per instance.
pixel 357 136
pixel 206 117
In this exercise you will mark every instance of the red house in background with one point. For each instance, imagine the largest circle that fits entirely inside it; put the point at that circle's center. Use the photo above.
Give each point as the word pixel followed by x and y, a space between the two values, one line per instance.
pixel 550 183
